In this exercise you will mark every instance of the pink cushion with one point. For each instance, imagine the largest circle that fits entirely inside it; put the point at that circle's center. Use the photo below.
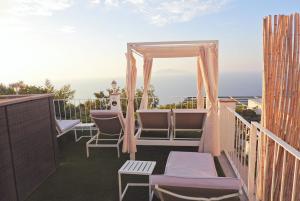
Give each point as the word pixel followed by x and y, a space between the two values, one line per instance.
pixel 207 183
pixel 190 111
pixel 108 114
pixel 64 125
pixel 190 165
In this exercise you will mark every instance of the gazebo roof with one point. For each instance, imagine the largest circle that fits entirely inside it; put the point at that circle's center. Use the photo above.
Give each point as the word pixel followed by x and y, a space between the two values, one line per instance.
pixel 170 49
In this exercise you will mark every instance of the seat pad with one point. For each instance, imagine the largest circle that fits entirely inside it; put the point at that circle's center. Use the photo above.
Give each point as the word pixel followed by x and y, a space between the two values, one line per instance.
pixel 65 125
pixel 190 165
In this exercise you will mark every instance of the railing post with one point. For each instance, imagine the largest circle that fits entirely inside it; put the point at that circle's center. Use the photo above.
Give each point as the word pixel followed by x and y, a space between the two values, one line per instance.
pixel 252 162
pixel 227 124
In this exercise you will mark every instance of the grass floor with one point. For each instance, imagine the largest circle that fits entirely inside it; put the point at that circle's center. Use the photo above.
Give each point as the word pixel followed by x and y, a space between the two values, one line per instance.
pixel 95 179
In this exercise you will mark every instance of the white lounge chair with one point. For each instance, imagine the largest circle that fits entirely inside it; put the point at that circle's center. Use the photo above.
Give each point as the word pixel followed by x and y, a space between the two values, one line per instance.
pixel 64 126
pixel 193 176
pixel 110 125
pixel 188 120
pixel 154 120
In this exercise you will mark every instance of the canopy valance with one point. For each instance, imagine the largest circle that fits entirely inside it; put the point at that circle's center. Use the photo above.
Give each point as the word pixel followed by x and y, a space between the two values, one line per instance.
pixel 169 50
pixel 207 74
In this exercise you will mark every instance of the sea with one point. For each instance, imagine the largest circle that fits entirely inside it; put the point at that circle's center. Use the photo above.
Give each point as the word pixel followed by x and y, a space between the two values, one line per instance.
pixel 170 88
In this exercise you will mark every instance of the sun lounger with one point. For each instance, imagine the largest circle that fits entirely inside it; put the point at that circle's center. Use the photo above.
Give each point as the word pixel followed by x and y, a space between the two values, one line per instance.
pixel 154 120
pixel 64 126
pixel 188 120
pixel 193 176
pixel 110 125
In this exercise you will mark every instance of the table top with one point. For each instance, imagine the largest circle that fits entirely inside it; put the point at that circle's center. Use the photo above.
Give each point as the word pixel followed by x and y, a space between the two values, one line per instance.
pixel 137 167
pixel 85 125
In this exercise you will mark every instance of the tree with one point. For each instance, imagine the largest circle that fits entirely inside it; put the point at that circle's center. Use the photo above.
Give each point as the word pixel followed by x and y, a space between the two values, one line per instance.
pixel 153 99
pixel 49 86
pixel 6 90
pixel 65 92
pixel 17 86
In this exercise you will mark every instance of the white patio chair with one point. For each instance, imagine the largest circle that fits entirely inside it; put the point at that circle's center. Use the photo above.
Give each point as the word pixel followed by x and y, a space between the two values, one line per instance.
pixel 154 120
pixel 64 126
pixel 188 120
pixel 110 125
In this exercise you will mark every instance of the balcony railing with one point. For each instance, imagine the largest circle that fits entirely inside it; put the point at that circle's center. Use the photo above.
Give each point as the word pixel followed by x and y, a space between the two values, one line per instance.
pixel 242 143
pixel 80 108
pixel 235 134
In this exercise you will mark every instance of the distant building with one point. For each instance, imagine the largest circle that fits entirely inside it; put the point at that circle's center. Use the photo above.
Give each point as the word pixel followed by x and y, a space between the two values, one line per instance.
pixel 255 104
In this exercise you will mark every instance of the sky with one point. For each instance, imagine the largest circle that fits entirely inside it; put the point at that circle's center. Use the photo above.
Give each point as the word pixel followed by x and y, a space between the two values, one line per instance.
pixel 65 40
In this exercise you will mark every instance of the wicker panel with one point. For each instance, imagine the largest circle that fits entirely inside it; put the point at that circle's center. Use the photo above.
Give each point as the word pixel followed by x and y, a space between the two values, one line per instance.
pixel 32 144
pixel 7 184
pixel 54 132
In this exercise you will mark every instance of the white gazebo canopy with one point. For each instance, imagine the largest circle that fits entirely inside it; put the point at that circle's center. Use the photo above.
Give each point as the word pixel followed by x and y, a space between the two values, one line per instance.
pixel 169 49
pixel 207 73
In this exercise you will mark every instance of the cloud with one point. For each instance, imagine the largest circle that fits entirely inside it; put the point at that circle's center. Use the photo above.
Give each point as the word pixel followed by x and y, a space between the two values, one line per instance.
pixel 68 29
pixel 38 7
pixel 112 2
pixel 94 1
pixel 171 11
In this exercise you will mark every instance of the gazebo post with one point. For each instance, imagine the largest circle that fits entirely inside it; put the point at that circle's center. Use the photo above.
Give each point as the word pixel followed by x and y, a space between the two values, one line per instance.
pixel 131 154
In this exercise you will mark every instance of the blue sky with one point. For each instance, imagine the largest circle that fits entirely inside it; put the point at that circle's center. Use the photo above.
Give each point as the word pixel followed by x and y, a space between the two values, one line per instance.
pixel 86 39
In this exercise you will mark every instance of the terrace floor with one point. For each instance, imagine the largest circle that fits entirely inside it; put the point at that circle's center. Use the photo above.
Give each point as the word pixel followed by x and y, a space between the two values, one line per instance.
pixel 80 179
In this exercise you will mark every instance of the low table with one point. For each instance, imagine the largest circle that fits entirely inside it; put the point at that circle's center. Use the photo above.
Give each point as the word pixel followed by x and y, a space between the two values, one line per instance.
pixel 132 167
pixel 84 126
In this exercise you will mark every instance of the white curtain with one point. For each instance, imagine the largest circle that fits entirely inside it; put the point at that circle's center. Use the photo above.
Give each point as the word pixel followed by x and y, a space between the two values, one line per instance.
pixel 129 142
pixel 147 77
pixel 208 63
pixel 200 101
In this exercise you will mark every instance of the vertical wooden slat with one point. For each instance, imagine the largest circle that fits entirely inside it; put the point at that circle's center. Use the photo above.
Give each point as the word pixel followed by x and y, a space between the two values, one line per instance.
pixel 282 185
pixel 273 172
pixel 295 180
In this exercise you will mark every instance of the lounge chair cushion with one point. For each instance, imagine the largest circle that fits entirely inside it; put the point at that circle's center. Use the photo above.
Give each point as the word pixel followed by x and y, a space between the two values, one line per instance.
pixel 108 121
pixel 64 125
pixel 205 183
pixel 189 118
pixel 155 119
pixel 190 165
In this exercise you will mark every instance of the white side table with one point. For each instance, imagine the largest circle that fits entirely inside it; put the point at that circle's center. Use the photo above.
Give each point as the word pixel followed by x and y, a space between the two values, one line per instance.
pixel 132 167
pixel 83 127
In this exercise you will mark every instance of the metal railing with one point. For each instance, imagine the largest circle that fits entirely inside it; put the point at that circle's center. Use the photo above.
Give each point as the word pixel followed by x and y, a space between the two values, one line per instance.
pixel 236 131
pixel 243 144
pixel 276 162
pixel 80 108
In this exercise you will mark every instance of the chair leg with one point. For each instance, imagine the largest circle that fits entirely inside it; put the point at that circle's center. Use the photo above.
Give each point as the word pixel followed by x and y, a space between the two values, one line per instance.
pixel 75 135
pixel 91 132
pixel 118 150
pixel 87 151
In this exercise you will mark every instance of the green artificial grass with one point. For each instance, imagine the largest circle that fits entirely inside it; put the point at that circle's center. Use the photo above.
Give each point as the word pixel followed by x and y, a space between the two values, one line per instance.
pixel 95 179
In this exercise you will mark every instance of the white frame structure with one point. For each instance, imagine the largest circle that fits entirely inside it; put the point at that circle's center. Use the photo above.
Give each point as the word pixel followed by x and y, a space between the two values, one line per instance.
pixel 96 139
pixel 133 48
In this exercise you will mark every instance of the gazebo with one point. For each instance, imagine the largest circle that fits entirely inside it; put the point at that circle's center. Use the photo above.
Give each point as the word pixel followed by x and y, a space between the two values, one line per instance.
pixel 206 53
